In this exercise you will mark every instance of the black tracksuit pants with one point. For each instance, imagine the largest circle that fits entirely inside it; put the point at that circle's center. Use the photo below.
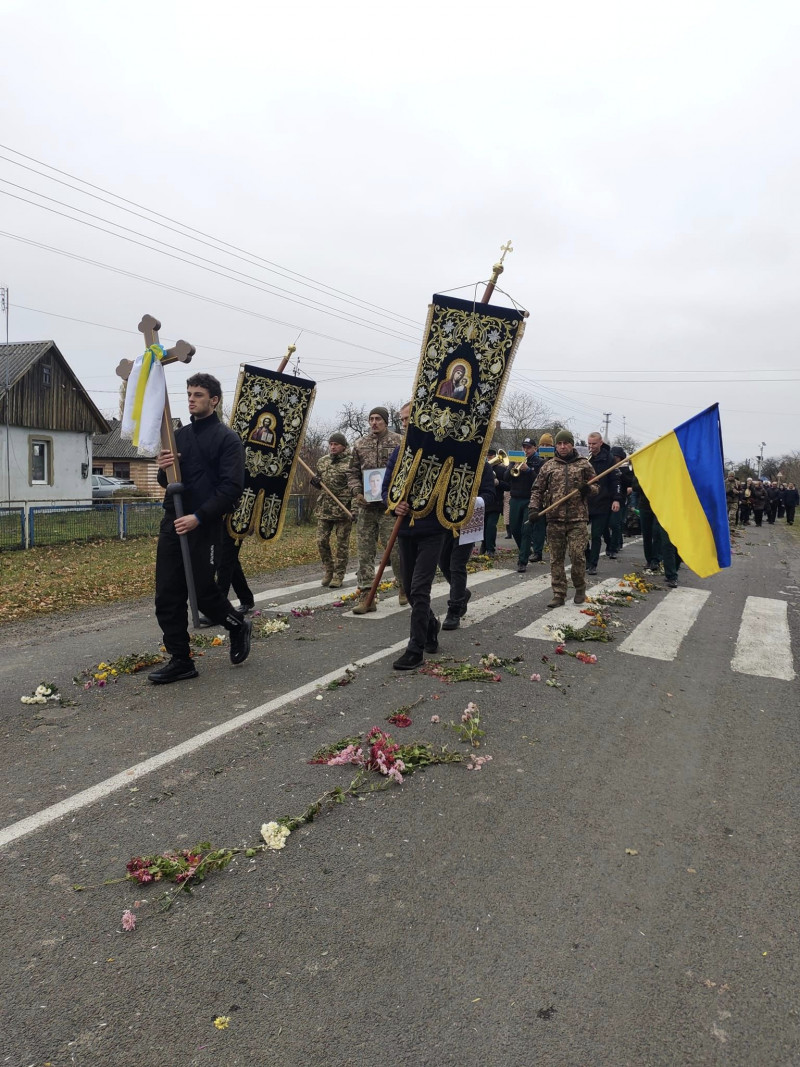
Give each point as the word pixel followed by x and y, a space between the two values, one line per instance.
pixel 171 592
pixel 453 560
pixel 229 570
pixel 419 557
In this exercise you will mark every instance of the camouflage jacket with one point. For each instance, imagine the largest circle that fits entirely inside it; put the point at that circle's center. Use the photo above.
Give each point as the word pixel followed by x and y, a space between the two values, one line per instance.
pixel 558 477
pixel 332 471
pixel 370 452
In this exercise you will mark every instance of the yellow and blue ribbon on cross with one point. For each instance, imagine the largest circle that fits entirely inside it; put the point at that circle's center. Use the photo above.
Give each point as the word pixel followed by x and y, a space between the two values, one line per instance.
pixel 155 353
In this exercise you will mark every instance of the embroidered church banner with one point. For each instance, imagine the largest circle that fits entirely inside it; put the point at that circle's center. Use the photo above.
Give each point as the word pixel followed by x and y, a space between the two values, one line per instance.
pixel 270 414
pixel 466 357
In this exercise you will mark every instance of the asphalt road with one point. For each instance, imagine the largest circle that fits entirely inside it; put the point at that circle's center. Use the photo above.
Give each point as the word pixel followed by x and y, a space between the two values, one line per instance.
pixel 618 886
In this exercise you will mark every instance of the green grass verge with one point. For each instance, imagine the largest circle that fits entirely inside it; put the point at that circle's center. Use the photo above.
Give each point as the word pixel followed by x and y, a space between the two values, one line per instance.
pixel 70 577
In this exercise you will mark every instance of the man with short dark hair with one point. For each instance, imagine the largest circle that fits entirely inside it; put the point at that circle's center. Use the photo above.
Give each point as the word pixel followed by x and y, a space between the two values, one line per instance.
pixel 212 472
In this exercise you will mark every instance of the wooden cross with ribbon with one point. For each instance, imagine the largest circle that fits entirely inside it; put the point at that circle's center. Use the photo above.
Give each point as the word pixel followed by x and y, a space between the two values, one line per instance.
pixel 181 352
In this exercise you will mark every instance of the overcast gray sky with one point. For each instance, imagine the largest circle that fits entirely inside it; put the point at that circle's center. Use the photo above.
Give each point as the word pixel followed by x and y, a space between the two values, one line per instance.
pixel 644 159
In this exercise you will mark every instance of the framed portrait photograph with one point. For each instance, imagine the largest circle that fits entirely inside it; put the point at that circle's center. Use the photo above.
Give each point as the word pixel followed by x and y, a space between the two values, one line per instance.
pixel 373 480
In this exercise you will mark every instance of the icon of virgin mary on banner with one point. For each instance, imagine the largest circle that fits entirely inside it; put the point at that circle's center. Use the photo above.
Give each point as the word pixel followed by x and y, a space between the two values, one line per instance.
pixel 466 357
pixel 270 414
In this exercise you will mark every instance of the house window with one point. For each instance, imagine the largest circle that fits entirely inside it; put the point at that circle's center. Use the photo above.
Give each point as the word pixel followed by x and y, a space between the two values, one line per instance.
pixel 41 461
pixel 47 375
pixel 98 469
pixel 122 470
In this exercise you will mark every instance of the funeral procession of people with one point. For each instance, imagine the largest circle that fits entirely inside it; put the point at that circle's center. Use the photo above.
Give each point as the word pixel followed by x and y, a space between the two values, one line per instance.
pixel 418 504
pixel 423 489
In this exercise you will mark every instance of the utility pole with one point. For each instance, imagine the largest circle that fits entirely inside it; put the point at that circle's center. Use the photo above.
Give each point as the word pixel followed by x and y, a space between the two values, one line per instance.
pixel 607 416
pixel 761 458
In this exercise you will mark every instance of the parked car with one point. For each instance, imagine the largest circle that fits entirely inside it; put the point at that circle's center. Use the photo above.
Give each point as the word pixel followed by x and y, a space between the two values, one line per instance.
pixel 103 486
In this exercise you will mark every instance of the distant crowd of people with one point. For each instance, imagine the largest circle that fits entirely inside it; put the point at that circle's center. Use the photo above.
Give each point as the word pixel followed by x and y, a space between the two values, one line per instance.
pixel 756 498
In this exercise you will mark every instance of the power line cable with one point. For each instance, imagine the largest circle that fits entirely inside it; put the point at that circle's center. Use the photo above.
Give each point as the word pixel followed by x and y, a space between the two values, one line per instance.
pixel 211 348
pixel 198 296
pixel 236 251
pixel 146 243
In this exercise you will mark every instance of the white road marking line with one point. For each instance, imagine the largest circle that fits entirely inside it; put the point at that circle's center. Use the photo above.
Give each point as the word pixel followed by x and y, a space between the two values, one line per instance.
pixel 139 770
pixel 569 615
pixel 505 598
pixel 292 590
pixel 764 647
pixel 660 635
pixel 438 592
pixel 118 781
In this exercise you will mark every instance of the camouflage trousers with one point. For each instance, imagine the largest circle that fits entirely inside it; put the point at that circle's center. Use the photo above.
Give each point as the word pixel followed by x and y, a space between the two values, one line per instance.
pixel 374 525
pixel 563 537
pixel 336 562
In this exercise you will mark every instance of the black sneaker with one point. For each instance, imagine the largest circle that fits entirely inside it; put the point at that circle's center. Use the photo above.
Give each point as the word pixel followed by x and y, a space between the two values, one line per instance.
pixel 432 644
pixel 240 641
pixel 536 558
pixel 672 583
pixel 521 568
pixel 452 622
pixel 591 570
pixel 611 555
pixel 174 671
pixel 408 661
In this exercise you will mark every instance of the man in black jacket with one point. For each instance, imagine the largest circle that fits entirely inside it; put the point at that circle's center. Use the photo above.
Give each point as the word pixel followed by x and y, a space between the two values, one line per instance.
pixel 518 479
pixel 212 469
pixel 606 500
pixel 419 547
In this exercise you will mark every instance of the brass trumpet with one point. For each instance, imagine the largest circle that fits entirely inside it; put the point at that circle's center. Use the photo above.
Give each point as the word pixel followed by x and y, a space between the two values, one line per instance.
pixel 517 469
pixel 501 458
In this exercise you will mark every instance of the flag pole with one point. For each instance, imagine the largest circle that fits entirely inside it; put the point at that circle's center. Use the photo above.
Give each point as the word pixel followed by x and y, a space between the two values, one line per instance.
pixel 591 481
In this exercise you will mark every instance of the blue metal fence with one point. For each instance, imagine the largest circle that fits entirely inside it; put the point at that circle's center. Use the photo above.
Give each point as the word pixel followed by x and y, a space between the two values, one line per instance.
pixel 55 524
pixel 12 528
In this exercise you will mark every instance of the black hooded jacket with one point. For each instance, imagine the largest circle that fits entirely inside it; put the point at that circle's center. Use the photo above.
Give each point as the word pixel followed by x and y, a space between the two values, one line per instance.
pixel 211 460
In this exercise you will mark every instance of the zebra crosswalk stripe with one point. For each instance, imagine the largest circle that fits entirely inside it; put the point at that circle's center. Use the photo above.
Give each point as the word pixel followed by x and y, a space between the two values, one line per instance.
pixel 661 634
pixel 569 615
pixel 763 647
pixel 504 598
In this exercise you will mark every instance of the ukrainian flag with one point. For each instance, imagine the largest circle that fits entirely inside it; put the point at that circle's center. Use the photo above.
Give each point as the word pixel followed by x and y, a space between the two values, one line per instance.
pixel 683 477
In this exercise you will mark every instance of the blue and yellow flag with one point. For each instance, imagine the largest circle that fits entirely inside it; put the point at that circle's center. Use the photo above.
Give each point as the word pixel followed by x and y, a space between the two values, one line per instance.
pixel 683 477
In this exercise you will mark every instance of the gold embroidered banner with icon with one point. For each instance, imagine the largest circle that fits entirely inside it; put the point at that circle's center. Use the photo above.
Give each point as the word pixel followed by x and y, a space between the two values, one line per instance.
pixel 466 357
pixel 270 414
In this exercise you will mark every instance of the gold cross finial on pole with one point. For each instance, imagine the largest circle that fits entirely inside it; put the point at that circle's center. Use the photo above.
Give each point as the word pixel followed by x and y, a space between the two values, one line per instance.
pixel 497 270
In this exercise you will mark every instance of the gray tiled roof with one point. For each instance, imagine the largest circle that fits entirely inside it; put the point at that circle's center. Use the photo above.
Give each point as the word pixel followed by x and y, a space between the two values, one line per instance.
pixel 17 359
pixel 111 445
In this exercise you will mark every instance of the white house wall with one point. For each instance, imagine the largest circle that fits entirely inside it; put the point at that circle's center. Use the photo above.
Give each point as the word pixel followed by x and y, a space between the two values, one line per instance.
pixel 71 452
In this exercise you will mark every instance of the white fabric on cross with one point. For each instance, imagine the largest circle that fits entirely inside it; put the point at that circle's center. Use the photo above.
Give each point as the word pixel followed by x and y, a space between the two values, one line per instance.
pixel 152 408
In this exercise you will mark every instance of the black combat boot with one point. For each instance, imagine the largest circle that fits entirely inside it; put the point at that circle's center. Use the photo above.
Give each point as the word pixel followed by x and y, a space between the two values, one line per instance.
pixel 174 671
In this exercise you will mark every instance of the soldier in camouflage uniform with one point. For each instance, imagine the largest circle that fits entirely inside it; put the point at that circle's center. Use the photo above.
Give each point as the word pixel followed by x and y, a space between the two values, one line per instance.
pixel 566 524
pixel 332 473
pixel 372 452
